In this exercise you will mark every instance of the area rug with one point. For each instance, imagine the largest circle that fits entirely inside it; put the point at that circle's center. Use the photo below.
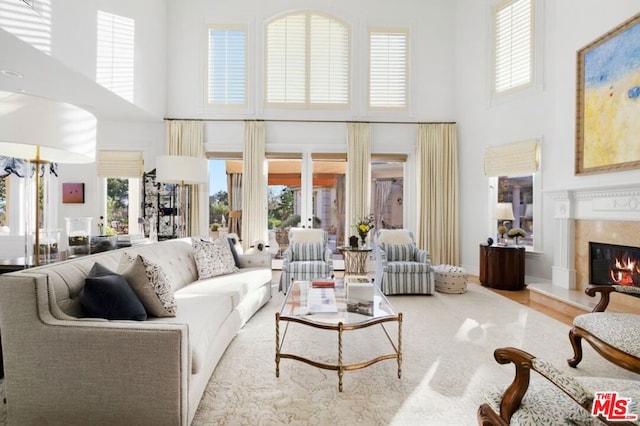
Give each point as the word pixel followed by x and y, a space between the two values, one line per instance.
pixel 447 341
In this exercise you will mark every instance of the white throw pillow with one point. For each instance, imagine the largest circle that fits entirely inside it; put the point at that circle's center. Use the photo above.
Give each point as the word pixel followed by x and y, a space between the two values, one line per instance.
pixel 213 258
pixel 394 236
pixel 305 235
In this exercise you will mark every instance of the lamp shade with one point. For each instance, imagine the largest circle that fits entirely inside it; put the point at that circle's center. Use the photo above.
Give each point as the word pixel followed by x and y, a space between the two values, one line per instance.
pixel 503 211
pixel 181 169
pixel 35 128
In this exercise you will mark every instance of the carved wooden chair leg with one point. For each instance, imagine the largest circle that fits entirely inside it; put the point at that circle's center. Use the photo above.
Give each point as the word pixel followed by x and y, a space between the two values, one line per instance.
pixel 576 342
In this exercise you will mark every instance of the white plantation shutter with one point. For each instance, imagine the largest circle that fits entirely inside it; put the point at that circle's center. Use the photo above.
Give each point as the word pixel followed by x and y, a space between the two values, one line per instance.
pixel 308 60
pixel 286 59
pixel 388 54
pixel 227 66
pixel 513 44
pixel 329 61
pixel 515 159
pixel 115 54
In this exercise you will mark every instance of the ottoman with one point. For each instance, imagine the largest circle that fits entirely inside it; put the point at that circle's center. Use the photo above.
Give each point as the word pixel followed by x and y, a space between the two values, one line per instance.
pixel 450 279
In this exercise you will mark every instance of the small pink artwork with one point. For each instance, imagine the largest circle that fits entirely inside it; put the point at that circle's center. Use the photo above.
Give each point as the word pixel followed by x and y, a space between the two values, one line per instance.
pixel 73 193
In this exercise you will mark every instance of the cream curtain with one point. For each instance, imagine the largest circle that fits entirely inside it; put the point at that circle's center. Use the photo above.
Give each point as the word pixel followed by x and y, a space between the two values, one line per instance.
pixel 437 229
pixel 383 190
pixel 234 193
pixel 186 137
pixel 358 174
pixel 254 185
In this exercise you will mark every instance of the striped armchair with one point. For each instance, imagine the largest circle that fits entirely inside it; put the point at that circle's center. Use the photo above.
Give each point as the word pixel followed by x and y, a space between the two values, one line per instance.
pixel 401 267
pixel 308 256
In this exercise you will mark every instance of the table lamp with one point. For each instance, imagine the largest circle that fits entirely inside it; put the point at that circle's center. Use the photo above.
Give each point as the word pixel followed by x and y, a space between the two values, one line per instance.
pixel 43 131
pixel 184 171
pixel 504 213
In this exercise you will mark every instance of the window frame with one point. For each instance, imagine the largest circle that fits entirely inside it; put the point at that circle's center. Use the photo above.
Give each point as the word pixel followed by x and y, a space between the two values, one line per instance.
pixel 389 30
pixel 207 82
pixel 307 103
pixel 535 83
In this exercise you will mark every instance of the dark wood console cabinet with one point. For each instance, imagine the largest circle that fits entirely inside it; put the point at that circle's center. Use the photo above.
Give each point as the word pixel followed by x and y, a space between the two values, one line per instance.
pixel 502 267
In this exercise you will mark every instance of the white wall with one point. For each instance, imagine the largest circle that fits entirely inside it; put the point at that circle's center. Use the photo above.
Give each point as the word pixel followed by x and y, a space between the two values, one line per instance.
pixel 431 76
pixel 74 43
pixel 548 113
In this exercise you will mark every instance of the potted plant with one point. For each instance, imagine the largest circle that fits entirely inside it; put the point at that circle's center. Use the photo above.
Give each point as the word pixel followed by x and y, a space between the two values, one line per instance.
pixel 214 230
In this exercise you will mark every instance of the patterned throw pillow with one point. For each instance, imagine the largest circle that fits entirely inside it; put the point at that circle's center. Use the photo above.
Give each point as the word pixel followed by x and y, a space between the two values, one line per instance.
pixel 307 251
pixel 213 258
pixel 399 252
pixel 150 283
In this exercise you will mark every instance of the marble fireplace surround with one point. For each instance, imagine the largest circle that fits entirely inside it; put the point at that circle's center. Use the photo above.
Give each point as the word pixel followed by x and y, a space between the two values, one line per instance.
pixel 604 214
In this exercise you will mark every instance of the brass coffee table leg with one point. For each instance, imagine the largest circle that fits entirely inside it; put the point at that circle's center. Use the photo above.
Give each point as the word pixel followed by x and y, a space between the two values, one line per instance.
pixel 340 370
pixel 399 345
pixel 277 344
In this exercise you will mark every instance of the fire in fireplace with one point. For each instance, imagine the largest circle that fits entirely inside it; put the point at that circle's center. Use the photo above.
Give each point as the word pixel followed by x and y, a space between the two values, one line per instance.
pixel 614 264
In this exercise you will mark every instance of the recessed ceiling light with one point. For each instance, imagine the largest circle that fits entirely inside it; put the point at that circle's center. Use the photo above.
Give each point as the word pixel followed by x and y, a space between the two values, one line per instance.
pixel 11 73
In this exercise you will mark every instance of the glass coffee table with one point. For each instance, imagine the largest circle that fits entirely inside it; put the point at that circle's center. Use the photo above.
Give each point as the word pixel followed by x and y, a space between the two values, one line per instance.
pixel 352 303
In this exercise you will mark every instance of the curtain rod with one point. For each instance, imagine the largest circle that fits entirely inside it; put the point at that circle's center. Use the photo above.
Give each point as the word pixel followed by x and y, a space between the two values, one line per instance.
pixel 278 120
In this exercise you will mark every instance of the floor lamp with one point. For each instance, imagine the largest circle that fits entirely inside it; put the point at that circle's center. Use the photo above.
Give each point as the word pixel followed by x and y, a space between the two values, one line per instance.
pixel 43 131
pixel 184 171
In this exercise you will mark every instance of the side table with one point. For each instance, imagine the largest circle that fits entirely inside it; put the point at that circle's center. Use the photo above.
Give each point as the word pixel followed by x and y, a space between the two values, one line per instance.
pixel 502 267
pixel 355 260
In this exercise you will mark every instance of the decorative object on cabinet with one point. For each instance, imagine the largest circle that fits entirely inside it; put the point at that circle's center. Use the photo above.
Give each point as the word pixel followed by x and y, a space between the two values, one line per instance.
pixel 503 212
pixel 43 132
pixel 184 171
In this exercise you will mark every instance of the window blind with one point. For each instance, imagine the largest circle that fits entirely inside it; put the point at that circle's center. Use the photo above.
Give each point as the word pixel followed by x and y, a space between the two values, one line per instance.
pixel 120 164
pixel 388 54
pixel 115 54
pixel 329 61
pixel 514 159
pixel 513 44
pixel 227 66
pixel 308 60
pixel 286 59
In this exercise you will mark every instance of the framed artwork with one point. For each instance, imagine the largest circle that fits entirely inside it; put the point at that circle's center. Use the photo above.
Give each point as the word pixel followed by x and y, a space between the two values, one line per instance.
pixel 73 193
pixel 608 101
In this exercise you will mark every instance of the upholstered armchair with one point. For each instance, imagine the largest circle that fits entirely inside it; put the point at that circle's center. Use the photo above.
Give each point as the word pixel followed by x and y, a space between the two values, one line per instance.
pixel 558 398
pixel 401 267
pixel 614 335
pixel 307 257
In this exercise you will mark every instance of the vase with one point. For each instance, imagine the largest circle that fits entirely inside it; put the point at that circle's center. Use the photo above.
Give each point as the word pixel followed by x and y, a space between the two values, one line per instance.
pixel 363 241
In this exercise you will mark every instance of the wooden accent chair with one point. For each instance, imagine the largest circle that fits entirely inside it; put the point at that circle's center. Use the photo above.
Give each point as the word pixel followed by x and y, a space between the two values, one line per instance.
pixel 613 335
pixel 558 399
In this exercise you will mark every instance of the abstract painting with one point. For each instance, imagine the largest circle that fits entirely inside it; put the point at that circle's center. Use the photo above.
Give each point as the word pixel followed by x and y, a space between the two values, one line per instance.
pixel 608 101
pixel 73 193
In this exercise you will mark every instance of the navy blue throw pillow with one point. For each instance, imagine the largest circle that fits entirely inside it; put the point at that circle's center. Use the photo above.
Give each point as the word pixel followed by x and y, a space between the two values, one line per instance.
pixel 99 270
pixel 111 297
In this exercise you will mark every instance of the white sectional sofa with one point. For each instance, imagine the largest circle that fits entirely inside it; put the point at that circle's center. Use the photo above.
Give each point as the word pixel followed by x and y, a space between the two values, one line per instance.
pixel 65 369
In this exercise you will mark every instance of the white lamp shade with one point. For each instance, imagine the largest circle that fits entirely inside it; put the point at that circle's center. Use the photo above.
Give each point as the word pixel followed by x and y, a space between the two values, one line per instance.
pixel 503 211
pixel 35 128
pixel 181 169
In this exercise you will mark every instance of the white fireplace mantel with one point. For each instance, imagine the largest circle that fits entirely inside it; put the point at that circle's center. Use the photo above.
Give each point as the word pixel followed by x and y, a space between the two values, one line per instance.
pixel 619 203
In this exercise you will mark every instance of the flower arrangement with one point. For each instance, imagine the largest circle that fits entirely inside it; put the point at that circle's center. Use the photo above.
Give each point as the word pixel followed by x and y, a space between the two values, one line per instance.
pixel 363 226
pixel 516 233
